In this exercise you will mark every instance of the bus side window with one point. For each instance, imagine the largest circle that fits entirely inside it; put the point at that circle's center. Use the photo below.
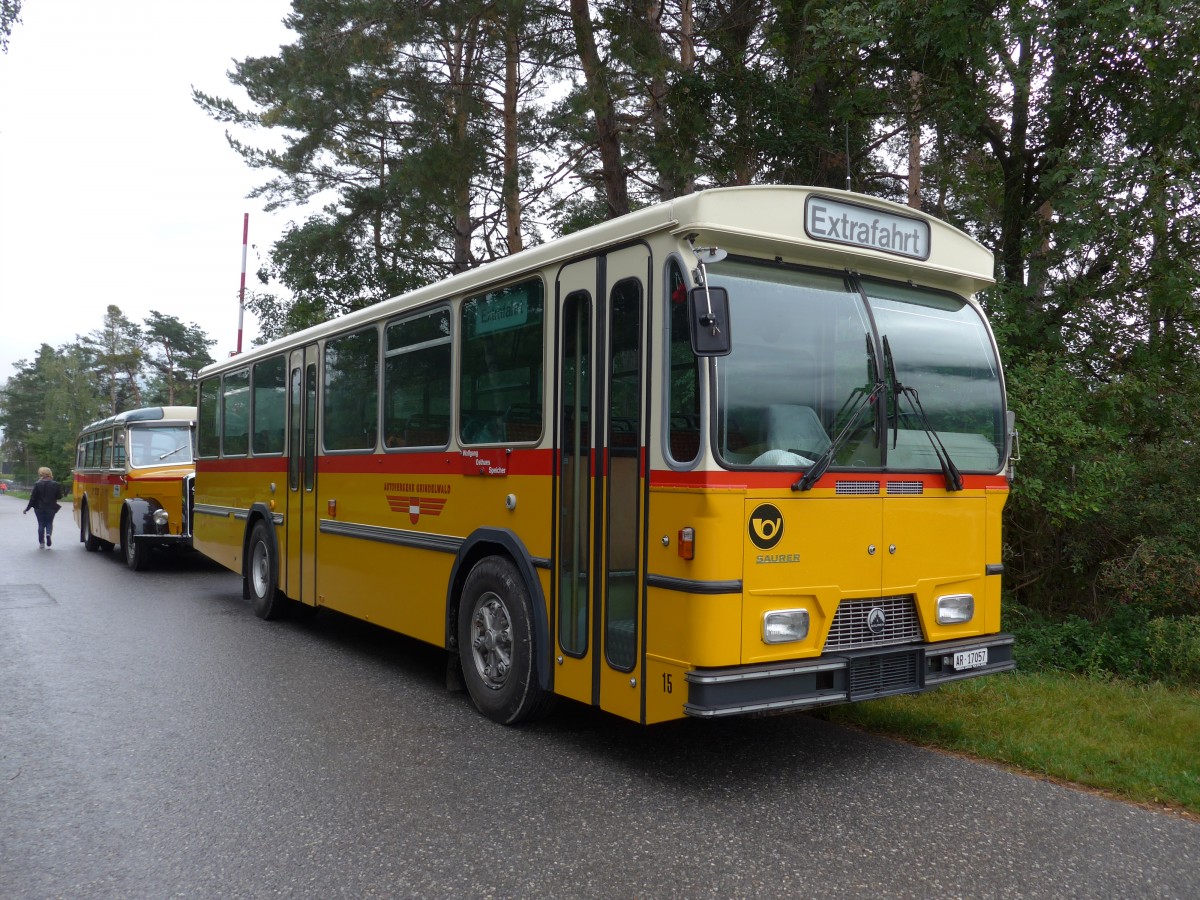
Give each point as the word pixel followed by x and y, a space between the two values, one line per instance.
pixel 119 449
pixel 269 406
pixel 416 381
pixel 208 423
pixel 235 413
pixel 350 416
pixel 503 351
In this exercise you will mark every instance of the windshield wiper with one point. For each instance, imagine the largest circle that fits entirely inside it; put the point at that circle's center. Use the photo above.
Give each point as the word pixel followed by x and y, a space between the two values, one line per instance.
pixel 172 452
pixel 954 480
pixel 872 380
pixel 817 469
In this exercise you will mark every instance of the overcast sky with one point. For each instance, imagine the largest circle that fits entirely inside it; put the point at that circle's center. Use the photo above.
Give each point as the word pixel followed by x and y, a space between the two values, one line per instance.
pixel 115 188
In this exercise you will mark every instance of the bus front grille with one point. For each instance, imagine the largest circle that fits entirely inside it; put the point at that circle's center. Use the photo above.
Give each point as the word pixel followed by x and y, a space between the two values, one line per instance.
pixel 881 674
pixel 874 622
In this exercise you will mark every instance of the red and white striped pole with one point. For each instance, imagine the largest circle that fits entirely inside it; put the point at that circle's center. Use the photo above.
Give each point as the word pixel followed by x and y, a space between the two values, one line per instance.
pixel 242 290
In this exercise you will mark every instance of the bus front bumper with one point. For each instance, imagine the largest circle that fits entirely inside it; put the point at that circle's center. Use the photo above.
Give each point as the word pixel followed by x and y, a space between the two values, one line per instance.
pixel 181 541
pixel 844 677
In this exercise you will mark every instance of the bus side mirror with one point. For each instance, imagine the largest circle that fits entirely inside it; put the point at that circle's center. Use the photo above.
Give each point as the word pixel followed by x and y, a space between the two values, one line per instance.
pixel 708 316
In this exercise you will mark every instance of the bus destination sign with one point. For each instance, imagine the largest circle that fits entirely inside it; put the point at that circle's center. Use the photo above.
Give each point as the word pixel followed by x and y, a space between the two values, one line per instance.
pixel 863 226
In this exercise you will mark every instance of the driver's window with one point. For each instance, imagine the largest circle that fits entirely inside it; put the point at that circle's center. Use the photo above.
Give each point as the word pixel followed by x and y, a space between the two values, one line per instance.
pixel 683 382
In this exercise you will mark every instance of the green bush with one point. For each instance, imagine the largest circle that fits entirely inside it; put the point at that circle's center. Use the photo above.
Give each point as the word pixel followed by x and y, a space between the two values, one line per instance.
pixel 1159 574
pixel 1104 512
pixel 1130 643
pixel 1173 648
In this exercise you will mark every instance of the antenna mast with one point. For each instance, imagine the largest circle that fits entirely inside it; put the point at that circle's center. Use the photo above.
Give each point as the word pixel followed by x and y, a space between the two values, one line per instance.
pixel 847 154
pixel 242 289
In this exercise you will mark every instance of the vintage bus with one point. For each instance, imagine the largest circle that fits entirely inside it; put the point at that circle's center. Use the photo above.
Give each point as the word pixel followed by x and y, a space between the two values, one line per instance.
pixel 134 475
pixel 743 451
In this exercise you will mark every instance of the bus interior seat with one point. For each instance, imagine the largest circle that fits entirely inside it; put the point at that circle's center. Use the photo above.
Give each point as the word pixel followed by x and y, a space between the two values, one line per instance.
pixel 685 437
pixel 623 432
pixel 394 433
pixel 796 428
pixel 523 422
pixel 481 426
pixel 568 430
pixel 427 430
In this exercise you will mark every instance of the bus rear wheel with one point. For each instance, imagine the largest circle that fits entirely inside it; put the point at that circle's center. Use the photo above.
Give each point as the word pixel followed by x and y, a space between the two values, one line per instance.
pixel 262 573
pixel 91 543
pixel 496 646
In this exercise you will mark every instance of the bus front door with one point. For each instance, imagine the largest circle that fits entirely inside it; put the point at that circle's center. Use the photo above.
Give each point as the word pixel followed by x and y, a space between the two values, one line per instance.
pixel 601 481
pixel 300 519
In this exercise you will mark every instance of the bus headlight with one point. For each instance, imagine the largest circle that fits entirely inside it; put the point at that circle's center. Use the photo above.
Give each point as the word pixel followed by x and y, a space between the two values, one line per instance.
pixel 160 517
pixel 954 609
pixel 782 626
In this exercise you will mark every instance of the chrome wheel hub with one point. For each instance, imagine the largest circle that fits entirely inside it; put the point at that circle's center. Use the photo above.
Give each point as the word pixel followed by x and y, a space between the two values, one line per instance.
pixel 491 641
pixel 259 576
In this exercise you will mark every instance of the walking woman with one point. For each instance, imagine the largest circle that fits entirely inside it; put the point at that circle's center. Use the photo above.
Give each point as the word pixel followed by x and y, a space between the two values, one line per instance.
pixel 43 500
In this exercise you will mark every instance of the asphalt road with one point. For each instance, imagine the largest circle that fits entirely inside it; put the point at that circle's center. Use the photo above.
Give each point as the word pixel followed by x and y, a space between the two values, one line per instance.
pixel 157 740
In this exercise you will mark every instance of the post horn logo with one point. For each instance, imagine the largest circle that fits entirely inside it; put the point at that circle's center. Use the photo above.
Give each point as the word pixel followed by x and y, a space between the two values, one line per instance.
pixel 766 526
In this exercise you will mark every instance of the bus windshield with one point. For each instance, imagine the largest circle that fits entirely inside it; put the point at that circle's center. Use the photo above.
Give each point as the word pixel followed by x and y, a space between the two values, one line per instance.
pixel 807 359
pixel 164 445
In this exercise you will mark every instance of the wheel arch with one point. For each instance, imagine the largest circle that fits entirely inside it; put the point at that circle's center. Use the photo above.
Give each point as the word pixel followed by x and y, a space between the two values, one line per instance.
pixel 137 510
pixel 480 544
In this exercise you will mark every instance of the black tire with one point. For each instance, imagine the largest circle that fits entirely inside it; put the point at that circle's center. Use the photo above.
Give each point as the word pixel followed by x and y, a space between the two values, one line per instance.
pixel 137 558
pixel 91 543
pixel 262 573
pixel 496 646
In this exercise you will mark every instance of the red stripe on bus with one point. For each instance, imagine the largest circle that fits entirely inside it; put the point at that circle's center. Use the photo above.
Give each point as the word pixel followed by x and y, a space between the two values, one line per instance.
pixel 527 461
pixel 243 464
pixel 119 478
pixel 438 462
pixel 539 462
pixel 785 480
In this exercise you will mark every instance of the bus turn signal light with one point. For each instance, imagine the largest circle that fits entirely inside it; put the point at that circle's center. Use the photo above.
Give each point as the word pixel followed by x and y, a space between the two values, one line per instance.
pixel 687 543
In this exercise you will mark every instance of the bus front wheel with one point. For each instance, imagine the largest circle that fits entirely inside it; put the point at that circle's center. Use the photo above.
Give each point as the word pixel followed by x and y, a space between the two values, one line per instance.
pixel 135 557
pixel 495 643
pixel 262 573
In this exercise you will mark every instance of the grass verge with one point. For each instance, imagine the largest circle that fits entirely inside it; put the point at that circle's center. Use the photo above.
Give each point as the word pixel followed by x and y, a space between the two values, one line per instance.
pixel 1138 742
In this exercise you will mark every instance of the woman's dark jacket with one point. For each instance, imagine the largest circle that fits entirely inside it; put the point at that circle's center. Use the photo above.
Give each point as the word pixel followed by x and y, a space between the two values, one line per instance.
pixel 44 496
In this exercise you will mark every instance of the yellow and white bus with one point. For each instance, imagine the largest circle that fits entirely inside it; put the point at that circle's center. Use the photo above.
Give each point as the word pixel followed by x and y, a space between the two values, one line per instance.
pixel 134 474
pixel 743 451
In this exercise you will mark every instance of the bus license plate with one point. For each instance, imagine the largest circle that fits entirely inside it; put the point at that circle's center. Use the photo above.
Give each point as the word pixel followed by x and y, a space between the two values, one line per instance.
pixel 970 659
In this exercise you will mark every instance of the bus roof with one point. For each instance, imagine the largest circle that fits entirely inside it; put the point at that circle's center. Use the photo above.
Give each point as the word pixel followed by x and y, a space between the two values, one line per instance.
pixel 146 414
pixel 755 220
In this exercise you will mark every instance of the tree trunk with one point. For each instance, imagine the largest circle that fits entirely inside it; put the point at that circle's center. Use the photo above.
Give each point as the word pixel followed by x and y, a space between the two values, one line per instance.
pixel 914 140
pixel 511 187
pixel 608 138
pixel 461 55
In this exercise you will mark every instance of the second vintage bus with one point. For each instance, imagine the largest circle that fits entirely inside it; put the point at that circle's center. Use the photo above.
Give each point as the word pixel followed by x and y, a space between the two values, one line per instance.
pixel 133 482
